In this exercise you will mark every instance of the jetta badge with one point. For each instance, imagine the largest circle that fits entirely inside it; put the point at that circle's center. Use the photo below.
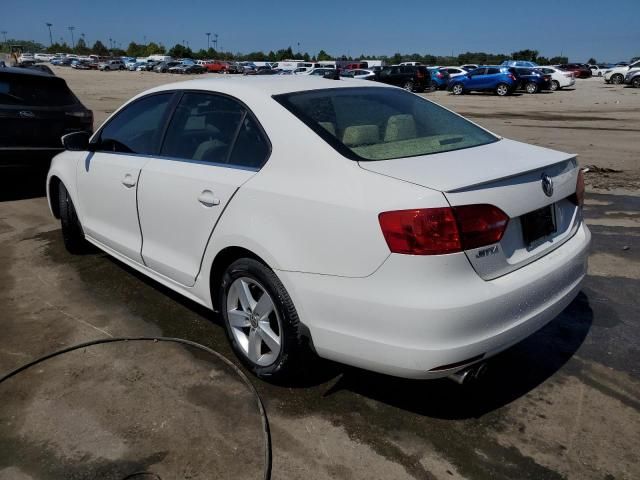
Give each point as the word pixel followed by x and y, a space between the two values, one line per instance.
pixel 26 114
pixel 547 185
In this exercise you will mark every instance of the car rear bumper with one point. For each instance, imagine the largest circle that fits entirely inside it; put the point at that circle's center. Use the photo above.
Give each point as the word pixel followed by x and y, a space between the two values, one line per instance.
pixel 416 314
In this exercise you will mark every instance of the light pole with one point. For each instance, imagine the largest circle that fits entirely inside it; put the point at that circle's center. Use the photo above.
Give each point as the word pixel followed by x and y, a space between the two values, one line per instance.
pixel 208 34
pixel 83 39
pixel 215 41
pixel 49 25
pixel 110 43
pixel 73 43
pixel 4 34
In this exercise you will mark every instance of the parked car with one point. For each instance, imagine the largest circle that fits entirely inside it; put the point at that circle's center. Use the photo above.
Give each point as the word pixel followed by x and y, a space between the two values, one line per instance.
pixel 81 64
pixel 43 57
pixel 597 70
pixel 532 80
pixel 268 71
pixel 559 78
pixel 233 67
pixel 215 66
pixel 455 71
pixel 492 78
pixel 187 69
pixel 36 109
pixel 62 61
pixel 460 243
pixel 163 67
pixel 362 74
pixel 320 72
pixel 616 75
pixel 111 65
pixel 147 66
pixel 255 70
pixel 580 70
pixel 633 78
pixel 439 78
pixel 411 78
pixel 519 63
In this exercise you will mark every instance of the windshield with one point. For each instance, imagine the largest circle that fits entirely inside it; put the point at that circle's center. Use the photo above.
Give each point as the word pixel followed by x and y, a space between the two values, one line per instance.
pixel 372 123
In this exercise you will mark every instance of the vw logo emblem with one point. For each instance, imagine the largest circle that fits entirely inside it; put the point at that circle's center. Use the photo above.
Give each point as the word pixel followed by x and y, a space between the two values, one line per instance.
pixel 547 185
pixel 26 114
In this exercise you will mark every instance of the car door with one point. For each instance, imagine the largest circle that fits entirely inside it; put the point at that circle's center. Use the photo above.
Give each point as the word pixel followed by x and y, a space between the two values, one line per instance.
pixel 107 179
pixel 476 79
pixel 212 146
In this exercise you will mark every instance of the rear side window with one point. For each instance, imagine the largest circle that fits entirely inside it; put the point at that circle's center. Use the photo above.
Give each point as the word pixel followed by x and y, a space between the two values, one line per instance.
pixel 137 127
pixel 251 149
pixel 372 123
pixel 493 71
pixel 35 91
pixel 203 128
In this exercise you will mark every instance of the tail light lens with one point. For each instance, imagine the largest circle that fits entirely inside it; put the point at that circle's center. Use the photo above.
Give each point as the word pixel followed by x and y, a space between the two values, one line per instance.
pixel 578 197
pixel 439 75
pixel 512 77
pixel 438 231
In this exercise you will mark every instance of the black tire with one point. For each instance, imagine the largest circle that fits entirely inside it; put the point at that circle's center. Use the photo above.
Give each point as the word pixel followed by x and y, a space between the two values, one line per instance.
pixel 290 361
pixel 409 86
pixel 72 233
pixel 433 87
pixel 555 85
pixel 531 87
pixel 617 79
pixel 636 82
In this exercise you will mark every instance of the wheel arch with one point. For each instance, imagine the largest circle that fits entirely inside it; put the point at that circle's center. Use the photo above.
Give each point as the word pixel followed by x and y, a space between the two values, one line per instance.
pixel 53 192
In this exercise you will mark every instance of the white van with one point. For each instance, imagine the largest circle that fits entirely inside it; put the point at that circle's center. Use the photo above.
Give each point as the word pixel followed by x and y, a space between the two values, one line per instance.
pixel 159 58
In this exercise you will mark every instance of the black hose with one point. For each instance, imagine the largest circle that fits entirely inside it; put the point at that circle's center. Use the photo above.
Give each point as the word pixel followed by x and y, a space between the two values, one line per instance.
pixel 263 415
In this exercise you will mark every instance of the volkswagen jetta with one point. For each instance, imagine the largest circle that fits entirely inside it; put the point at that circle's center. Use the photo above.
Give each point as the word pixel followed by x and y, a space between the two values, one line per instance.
pixel 356 220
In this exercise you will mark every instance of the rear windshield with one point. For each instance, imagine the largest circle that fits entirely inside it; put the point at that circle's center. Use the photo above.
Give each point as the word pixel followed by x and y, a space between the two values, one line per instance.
pixel 32 91
pixel 372 123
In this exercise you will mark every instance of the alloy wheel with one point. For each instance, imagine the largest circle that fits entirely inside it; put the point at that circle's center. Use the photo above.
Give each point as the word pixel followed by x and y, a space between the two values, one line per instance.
pixel 531 88
pixel 555 85
pixel 254 321
pixel 457 89
pixel 502 90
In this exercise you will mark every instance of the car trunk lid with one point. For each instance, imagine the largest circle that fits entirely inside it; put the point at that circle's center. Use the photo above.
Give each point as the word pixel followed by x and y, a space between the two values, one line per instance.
pixel 509 175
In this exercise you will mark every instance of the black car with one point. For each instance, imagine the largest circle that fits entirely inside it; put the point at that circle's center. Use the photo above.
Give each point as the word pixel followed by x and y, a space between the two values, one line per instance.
pixel 532 80
pixel 36 110
pixel 412 78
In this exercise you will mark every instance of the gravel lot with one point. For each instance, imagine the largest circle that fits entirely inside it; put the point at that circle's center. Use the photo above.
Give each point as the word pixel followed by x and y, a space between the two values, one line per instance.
pixel 564 403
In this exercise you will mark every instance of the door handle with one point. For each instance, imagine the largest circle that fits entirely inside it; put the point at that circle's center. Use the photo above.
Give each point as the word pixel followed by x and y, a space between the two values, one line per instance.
pixel 207 199
pixel 128 181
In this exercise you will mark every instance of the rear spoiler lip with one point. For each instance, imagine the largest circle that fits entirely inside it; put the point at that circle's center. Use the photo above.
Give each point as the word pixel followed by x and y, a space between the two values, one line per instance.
pixel 570 157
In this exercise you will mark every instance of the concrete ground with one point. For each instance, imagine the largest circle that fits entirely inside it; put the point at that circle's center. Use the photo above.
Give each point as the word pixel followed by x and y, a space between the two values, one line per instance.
pixel 564 403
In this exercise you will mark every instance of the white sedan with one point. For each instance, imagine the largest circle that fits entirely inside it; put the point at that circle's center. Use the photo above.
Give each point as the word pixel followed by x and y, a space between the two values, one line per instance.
pixel 559 78
pixel 348 218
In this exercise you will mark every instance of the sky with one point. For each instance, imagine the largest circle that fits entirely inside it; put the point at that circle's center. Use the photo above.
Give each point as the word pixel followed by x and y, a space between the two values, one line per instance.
pixel 579 29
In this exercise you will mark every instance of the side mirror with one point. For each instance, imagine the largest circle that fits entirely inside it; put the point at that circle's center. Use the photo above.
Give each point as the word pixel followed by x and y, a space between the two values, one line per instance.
pixel 76 141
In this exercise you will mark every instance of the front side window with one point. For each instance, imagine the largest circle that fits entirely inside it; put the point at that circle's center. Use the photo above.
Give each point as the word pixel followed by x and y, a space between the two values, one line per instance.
pixel 203 128
pixel 372 123
pixel 136 129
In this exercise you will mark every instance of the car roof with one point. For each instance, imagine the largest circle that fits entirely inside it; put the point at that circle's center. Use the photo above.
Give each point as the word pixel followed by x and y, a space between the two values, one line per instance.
pixel 26 71
pixel 264 86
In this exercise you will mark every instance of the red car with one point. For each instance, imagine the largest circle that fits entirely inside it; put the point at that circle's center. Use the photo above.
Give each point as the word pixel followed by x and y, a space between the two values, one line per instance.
pixel 215 66
pixel 579 70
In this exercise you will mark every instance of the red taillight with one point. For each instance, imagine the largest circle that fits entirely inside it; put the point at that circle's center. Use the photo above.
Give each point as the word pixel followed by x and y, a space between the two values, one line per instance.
pixel 438 231
pixel 578 197
pixel 512 77
pixel 440 75
pixel 480 225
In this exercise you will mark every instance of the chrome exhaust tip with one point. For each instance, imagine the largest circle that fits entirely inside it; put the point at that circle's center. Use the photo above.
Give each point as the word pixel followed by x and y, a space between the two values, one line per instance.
pixel 470 374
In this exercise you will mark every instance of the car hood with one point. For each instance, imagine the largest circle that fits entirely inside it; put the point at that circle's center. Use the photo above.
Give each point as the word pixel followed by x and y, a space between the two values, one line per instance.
pixel 458 169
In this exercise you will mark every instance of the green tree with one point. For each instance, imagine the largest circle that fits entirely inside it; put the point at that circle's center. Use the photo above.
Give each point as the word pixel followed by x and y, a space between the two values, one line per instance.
pixel 592 61
pixel 323 56
pixel 153 48
pixel 99 49
pixel 180 51
pixel 528 55
pixel 81 47
pixel 558 60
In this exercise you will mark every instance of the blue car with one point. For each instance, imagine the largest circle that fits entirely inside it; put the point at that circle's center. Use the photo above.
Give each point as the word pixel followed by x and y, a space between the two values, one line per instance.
pixel 439 78
pixel 532 80
pixel 498 79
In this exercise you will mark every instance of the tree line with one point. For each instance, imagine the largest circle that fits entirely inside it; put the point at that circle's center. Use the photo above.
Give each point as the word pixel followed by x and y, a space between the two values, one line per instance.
pixel 181 51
